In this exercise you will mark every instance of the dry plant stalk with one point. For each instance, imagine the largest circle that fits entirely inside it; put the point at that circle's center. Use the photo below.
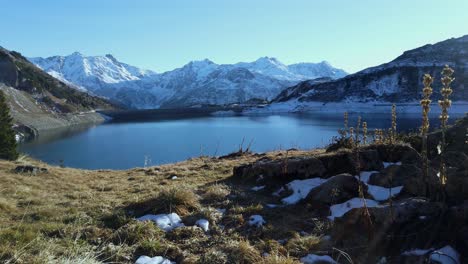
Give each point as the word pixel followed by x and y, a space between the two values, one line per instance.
pixel 351 135
pixel 394 125
pixel 357 130
pixel 364 133
pixel 425 103
pixel 445 104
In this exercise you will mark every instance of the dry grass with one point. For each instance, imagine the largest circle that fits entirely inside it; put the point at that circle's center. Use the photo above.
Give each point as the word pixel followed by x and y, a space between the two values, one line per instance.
pixel 216 192
pixel 302 245
pixel 71 214
pixel 243 253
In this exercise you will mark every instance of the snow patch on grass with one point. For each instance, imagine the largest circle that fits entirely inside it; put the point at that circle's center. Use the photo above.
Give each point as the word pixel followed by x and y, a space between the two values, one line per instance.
pixel 381 193
pixel 166 222
pixel 386 164
pixel 258 188
pixel 153 260
pixel 312 258
pixel 203 224
pixel 256 220
pixel 338 210
pixel 301 189
pixel 449 255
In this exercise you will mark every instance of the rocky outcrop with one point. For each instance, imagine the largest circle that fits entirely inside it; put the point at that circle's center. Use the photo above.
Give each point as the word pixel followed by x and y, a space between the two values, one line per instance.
pixel 337 189
pixel 397 81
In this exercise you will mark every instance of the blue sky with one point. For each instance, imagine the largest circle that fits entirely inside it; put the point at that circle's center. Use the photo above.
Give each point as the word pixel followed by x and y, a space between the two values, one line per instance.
pixel 162 35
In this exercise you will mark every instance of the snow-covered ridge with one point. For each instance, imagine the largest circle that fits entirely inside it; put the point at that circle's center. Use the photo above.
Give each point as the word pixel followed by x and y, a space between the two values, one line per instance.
pixel 197 82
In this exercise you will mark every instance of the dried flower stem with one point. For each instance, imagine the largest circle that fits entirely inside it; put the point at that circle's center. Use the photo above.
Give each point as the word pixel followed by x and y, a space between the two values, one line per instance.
pixel 445 104
pixel 425 103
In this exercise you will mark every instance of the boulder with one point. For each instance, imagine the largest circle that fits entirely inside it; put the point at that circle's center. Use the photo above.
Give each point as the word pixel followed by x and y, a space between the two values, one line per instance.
pixel 370 160
pixel 454 159
pixel 340 162
pixel 389 230
pixel 282 170
pixel 395 175
pixel 396 153
pixel 409 176
pixel 29 169
pixel 337 189
pixel 457 185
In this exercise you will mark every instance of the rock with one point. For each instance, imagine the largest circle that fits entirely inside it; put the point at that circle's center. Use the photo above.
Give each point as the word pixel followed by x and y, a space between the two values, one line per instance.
pixel 282 170
pixel 384 234
pixel 395 175
pixel 370 160
pixel 454 159
pixel 337 163
pixel 395 153
pixel 337 189
pixel 32 170
pixel 409 176
pixel 457 185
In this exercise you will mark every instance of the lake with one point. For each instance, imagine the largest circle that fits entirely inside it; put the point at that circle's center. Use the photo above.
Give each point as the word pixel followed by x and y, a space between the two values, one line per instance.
pixel 119 145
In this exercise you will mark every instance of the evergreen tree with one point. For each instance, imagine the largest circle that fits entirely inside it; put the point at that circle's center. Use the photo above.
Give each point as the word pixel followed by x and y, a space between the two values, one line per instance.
pixel 7 135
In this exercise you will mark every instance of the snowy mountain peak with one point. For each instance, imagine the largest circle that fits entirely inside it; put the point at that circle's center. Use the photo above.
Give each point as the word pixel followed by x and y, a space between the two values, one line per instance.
pixel 197 82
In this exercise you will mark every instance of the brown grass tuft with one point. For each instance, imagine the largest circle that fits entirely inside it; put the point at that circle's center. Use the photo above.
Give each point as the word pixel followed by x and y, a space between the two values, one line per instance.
pixel 300 246
pixel 243 253
pixel 216 192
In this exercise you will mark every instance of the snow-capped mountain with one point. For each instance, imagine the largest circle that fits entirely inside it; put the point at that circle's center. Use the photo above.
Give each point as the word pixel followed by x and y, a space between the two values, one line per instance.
pixel 294 72
pixel 196 83
pixel 397 81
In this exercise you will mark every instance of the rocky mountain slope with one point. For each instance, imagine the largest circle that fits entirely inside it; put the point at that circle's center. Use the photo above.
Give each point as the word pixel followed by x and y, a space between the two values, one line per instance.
pixel 39 100
pixel 398 81
pixel 196 83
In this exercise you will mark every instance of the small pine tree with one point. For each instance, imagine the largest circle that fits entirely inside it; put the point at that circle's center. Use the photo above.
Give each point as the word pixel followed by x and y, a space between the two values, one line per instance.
pixel 7 135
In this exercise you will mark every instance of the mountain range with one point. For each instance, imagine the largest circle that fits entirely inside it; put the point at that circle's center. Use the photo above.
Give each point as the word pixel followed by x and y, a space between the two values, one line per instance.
pixel 196 83
pixel 398 81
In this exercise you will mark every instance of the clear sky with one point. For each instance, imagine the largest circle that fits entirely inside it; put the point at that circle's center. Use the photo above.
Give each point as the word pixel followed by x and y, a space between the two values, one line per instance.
pixel 164 34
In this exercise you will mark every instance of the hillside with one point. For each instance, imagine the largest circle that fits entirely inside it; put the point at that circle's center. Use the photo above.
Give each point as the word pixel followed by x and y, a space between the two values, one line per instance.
pixel 277 207
pixel 40 101
pixel 399 81
pixel 196 83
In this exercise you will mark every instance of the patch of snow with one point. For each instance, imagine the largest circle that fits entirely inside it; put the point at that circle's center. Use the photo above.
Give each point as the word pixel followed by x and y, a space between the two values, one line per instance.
pixel 174 177
pixel 166 222
pixel 256 220
pixel 449 255
pixel 273 205
pixel 338 210
pixel 416 252
pixel 365 176
pixel 312 258
pixel 203 224
pixel 422 217
pixel 153 260
pixel 258 188
pixel 301 189
pixel 387 164
pixel 381 193
pixel 278 192
pixel 221 210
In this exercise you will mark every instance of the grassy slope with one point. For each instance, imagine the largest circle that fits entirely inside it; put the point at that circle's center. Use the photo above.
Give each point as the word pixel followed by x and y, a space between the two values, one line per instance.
pixel 71 213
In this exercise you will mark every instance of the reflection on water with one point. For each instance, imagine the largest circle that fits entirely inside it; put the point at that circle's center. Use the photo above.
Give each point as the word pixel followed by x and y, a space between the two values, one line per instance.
pixel 125 145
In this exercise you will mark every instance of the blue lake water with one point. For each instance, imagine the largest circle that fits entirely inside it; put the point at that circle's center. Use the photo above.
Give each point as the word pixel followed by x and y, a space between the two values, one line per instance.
pixel 126 145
